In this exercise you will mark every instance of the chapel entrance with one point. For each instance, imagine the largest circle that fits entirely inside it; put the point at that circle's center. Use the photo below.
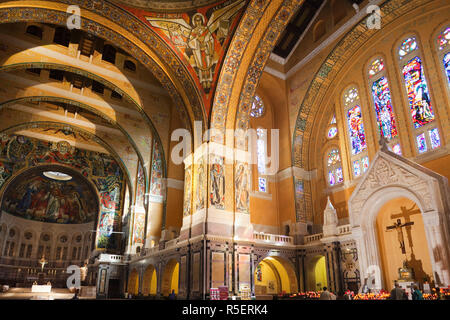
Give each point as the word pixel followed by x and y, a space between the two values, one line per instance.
pixel 133 283
pixel 170 278
pixel 149 284
pixel 275 275
pixel 402 239
pixel 317 274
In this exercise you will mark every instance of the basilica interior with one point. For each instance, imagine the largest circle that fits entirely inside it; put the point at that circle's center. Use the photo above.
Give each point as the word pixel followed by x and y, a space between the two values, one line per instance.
pixel 257 147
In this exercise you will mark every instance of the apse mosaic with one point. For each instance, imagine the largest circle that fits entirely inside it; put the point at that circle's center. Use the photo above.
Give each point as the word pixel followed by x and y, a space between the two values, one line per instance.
pixel 20 152
pixel 33 196
pixel 356 130
pixel 418 95
pixel 199 37
pixel 383 108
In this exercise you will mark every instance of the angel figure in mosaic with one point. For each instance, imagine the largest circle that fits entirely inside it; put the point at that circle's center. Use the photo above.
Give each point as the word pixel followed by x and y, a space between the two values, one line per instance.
pixel 200 40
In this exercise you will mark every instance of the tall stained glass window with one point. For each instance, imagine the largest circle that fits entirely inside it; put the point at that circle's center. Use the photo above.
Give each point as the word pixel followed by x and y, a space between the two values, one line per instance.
pixel 418 95
pixel 383 108
pixel 446 62
pixel 261 159
pixel 334 168
pixel 443 41
pixel 355 128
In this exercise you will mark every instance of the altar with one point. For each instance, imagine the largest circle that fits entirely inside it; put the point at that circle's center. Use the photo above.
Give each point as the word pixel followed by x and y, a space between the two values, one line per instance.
pixel 47 288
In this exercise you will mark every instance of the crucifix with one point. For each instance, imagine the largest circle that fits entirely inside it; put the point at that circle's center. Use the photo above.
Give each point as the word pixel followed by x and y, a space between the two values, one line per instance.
pixel 43 262
pixel 398 226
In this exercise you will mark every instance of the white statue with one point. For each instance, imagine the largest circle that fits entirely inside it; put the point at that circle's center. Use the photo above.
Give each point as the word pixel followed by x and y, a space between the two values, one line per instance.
pixel 330 220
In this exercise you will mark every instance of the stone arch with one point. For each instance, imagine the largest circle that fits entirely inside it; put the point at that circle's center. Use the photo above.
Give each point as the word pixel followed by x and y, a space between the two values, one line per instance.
pixel 391 176
pixel 316 273
pixel 77 70
pixel 165 66
pixel 133 282
pixel 285 269
pixel 98 140
pixel 150 281
pixel 170 277
pixel 85 107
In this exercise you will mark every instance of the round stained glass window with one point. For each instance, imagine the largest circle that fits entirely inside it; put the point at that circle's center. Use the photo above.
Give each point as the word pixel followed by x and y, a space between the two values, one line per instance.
pixel 332 132
pixel 257 109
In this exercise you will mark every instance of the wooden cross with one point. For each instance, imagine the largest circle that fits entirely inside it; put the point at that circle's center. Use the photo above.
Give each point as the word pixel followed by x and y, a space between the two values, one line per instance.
pixel 407 214
pixel 398 226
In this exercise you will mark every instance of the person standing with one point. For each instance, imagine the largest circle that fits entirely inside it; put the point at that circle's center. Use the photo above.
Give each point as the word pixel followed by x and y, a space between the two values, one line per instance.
pixel 397 293
pixel 327 295
pixel 417 294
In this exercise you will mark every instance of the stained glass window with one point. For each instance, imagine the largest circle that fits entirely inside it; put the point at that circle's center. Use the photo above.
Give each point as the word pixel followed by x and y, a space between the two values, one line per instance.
pixel 333 157
pixel 376 66
pixel 444 39
pixel 421 143
pixel 257 109
pixel 333 120
pixel 407 46
pixel 396 149
pixel 418 95
pixel 434 138
pixel 339 175
pixel 356 130
pixel 351 96
pixel 331 179
pixel 365 163
pixel 261 150
pixel 262 184
pixel 332 132
pixel 356 168
pixel 383 108
pixel 446 61
pixel 335 175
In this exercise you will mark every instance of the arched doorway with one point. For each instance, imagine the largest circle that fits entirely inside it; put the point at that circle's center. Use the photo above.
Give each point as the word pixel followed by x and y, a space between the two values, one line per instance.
pixel 316 273
pixel 170 278
pixel 402 244
pixel 275 275
pixel 133 283
pixel 149 284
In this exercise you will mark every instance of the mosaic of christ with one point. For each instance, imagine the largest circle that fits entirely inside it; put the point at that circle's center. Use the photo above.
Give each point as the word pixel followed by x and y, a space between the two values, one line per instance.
pixel 36 197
